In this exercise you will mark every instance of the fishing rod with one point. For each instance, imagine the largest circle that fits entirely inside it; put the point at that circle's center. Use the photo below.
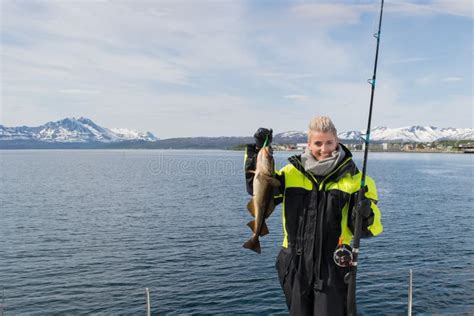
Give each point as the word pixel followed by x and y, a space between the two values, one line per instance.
pixel 351 294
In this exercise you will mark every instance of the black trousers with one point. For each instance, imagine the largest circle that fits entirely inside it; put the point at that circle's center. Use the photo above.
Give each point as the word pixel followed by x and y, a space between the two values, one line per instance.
pixel 302 298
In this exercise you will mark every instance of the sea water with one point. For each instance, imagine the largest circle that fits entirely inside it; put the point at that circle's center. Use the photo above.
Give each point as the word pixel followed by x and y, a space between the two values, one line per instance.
pixel 86 231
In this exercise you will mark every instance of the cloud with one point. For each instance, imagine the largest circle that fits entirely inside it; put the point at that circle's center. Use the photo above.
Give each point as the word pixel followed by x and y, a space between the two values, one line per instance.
pixel 410 9
pixel 210 114
pixel 78 91
pixel 58 54
pixel 329 14
pixel 392 108
pixel 452 79
pixel 426 80
pixel 348 102
pixel 439 7
pixel 407 60
pixel 297 97
pixel 286 75
pixel 178 68
pixel 165 37
pixel 448 111
pixel 432 79
pixel 335 14
pixel 455 7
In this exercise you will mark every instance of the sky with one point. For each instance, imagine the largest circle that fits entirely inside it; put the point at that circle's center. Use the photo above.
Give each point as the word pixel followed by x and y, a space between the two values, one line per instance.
pixel 182 68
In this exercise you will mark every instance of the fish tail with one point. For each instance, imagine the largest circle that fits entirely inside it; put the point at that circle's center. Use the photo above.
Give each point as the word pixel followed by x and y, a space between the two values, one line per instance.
pixel 253 244
pixel 263 231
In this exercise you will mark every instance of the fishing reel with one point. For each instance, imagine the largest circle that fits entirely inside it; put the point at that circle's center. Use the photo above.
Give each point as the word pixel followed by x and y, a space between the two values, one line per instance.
pixel 343 256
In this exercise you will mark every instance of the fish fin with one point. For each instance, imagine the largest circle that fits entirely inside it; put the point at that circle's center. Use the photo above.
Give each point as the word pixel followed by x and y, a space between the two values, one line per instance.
pixel 253 244
pixel 251 224
pixel 274 182
pixel 270 208
pixel 251 207
pixel 263 231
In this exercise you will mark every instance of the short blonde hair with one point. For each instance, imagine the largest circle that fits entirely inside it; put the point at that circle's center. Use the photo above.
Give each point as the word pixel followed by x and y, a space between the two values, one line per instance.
pixel 321 124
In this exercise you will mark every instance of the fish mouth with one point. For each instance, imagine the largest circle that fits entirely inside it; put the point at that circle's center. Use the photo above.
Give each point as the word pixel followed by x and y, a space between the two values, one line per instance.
pixel 268 151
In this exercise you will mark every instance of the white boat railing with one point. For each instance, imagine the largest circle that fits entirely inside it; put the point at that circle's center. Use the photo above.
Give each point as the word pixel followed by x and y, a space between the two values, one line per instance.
pixel 148 305
pixel 410 293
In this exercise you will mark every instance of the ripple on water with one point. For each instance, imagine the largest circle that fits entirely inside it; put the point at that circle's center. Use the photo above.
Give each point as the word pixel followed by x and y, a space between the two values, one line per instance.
pixel 85 232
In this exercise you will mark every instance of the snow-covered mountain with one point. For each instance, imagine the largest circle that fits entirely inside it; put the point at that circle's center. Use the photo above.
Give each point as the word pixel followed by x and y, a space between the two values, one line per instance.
pixel 421 134
pixel 72 130
pixel 128 134
pixel 291 134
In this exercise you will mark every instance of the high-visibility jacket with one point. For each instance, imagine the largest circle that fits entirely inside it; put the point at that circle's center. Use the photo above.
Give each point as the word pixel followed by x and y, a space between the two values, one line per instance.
pixel 317 216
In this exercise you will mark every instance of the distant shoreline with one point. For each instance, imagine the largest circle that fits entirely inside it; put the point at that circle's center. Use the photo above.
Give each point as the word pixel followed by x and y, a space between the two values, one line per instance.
pixel 227 149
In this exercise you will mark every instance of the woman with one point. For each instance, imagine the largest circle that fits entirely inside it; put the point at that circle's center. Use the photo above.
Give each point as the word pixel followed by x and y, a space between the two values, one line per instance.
pixel 318 191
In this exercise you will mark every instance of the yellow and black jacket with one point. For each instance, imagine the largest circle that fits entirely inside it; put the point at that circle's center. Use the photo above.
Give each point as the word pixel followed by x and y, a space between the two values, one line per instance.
pixel 317 216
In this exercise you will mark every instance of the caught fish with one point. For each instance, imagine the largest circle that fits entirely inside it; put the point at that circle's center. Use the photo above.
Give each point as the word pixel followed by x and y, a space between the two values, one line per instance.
pixel 261 205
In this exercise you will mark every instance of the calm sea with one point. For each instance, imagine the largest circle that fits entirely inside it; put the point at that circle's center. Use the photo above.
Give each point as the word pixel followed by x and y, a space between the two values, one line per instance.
pixel 85 232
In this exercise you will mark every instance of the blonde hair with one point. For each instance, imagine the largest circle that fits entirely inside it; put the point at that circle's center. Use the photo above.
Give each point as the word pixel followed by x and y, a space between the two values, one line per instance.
pixel 321 124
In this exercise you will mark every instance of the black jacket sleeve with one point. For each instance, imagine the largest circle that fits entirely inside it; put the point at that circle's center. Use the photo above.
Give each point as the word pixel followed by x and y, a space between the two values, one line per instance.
pixel 250 165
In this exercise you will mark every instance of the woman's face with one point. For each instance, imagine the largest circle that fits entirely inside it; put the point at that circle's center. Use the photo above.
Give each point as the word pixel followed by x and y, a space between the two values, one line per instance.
pixel 322 145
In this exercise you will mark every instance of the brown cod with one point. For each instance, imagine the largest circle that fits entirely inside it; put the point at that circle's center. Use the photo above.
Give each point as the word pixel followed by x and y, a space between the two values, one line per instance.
pixel 261 205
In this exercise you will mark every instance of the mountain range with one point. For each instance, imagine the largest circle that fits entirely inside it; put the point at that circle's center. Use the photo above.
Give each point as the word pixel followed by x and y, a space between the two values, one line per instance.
pixel 72 130
pixel 84 133
pixel 415 134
